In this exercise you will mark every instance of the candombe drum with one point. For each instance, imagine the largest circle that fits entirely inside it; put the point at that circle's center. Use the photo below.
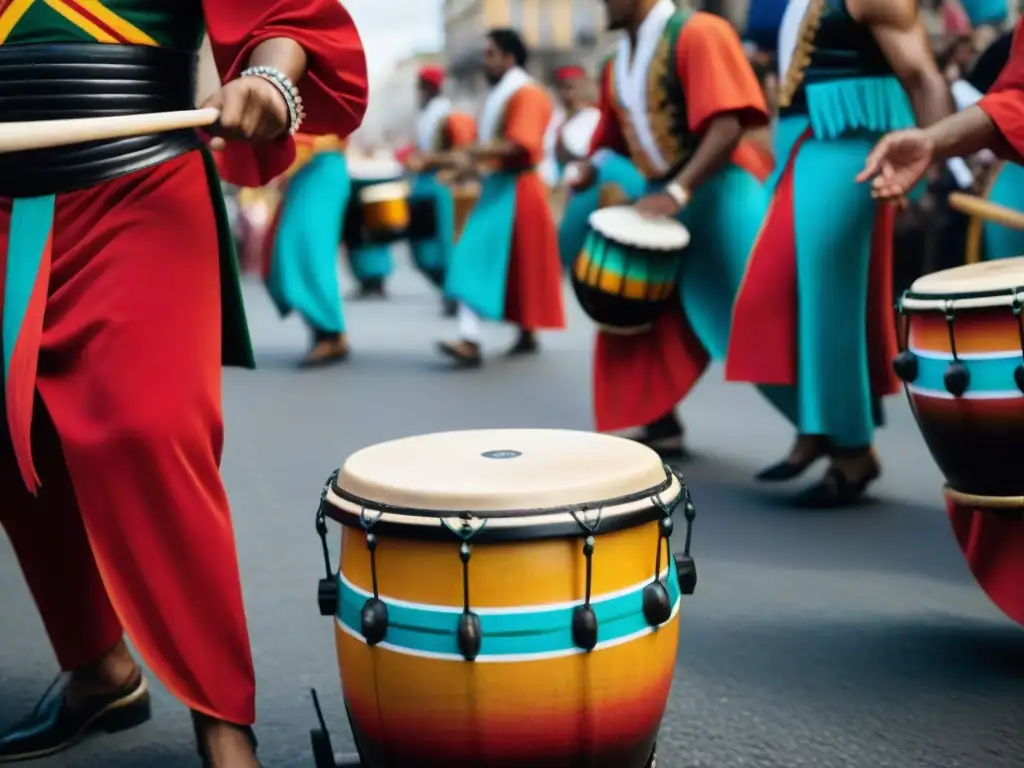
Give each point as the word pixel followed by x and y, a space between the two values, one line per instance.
pixel 626 273
pixel 378 210
pixel 962 365
pixel 505 598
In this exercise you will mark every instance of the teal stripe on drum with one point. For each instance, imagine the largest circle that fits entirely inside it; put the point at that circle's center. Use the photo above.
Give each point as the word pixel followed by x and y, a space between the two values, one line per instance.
pixel 990 376
pixel 522 633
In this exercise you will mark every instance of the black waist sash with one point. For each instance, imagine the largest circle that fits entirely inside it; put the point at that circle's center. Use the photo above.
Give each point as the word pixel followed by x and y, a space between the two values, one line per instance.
pixel 76 80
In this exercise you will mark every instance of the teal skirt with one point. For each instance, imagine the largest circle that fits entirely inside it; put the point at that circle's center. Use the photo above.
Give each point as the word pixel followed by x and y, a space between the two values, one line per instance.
pixel 1007 190
pixel 432 256
pixel 303 273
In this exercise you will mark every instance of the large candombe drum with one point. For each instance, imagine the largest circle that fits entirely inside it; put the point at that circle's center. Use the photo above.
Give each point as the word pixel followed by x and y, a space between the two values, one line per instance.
pixel 506 598
pixel 626 273
pixel 378 210
pixel 963 368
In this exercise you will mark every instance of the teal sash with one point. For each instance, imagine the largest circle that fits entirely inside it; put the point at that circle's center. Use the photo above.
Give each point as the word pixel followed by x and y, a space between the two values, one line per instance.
pixel 432 256
pixel 478 273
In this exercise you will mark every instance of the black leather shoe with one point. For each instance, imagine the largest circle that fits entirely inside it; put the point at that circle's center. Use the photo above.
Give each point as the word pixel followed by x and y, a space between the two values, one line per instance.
pixel 835 490
pixel 786 470
pixel 465 354
pixel 53 726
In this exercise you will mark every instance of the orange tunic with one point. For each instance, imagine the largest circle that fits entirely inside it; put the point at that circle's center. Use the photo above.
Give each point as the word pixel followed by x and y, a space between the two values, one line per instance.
pixel 533 294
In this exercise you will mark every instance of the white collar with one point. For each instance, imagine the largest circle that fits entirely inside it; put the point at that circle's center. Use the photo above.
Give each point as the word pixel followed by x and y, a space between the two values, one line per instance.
pixel 494 104
pixel 430 118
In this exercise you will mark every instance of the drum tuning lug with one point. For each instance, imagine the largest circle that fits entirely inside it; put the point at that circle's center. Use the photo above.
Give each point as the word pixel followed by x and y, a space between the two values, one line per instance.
pixel 657 606
pixel 686 571
pixel 374 620
pixel 905 366
pixel 957 378
pixel 327 596
pixel 584 627
pixel 470 635
pixel 1018 377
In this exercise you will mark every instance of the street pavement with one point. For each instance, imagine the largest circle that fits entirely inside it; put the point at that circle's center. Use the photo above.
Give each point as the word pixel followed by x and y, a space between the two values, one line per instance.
pixel 849 639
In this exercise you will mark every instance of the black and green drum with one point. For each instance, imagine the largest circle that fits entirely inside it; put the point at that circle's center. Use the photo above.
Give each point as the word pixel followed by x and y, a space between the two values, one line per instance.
pixel 626 273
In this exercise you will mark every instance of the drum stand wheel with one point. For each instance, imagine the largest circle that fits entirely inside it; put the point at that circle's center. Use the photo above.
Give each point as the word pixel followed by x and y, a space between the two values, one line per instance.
pixel 323 751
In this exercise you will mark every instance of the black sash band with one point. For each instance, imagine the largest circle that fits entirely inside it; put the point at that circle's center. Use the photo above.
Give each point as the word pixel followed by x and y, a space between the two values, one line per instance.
pixel 75 80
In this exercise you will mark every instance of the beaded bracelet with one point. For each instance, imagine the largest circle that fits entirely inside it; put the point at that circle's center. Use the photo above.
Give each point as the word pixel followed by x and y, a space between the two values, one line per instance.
pixel 284 84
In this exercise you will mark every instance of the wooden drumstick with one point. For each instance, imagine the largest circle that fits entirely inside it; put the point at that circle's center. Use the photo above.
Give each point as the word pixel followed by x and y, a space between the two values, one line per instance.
pixel 972 205
pixel 40 134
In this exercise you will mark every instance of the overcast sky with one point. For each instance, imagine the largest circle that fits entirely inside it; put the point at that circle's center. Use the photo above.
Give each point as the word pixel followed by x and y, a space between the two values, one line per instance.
pixel 393 29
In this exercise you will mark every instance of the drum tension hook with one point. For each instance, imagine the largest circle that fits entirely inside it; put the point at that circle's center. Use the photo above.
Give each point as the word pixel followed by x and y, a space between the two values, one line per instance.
pixel 584 617
pixel 686 568
pixel 657 605
pixel 327 588
pixel 905 366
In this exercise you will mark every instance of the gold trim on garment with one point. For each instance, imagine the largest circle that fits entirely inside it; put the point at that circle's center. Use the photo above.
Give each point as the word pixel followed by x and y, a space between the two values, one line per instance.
pixel 809 26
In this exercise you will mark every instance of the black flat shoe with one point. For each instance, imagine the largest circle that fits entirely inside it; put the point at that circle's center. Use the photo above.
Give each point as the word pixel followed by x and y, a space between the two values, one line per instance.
pixel 53 726
pixel 786 470
pixel 201 743
pixel 666 446
pixel 454 351
pixel 526 344
pixel 835 490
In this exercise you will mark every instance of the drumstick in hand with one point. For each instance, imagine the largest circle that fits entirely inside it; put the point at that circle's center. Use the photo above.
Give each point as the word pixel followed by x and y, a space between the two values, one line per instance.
pixel 40 134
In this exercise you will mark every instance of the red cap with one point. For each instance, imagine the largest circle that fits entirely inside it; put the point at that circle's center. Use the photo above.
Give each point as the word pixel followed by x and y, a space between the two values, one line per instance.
pixel 432 74
pixel 571 72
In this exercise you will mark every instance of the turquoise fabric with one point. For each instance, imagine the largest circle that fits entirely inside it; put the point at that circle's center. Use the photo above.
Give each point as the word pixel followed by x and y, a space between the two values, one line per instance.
pixel 478 273
pixel 304 268
pixel 833 257
pixel 30 229
pixel 572 230
pixel 1008 190
pixel 531 630
pixel 432 256
pixel 986 11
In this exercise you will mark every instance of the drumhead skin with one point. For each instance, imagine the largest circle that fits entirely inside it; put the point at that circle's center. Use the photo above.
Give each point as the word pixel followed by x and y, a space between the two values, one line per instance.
pixel 379 193
pixel 972 286
pixel 360 169
pixel 532 696
pixel 623 224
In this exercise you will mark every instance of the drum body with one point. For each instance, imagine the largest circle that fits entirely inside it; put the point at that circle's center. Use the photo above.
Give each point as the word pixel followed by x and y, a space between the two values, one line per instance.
pixel 963 371
pixel 386 213
pixel 465 196
pixel 528 693
pixel 622 283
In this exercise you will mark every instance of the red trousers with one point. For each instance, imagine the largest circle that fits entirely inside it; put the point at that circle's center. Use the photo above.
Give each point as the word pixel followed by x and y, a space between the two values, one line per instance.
pixel 131 529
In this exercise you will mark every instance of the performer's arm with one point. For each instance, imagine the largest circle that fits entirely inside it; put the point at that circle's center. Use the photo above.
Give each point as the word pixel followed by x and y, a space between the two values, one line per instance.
pixel 316 44
pixel 900 33
pixel 1002 129
pixel 723 96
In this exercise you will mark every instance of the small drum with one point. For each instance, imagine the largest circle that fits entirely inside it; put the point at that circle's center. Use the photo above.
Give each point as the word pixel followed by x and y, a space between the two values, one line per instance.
pixel 961 364
pixel 386 214
pixel 627 269
pixel 506 598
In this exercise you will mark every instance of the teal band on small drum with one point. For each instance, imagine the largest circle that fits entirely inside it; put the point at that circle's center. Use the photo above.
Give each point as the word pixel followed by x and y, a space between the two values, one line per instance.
pixel 990 376
pixel 522 632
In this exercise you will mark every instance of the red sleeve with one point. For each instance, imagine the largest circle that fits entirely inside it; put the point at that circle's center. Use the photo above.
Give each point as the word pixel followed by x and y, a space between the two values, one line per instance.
pixel 716 76
pixel 609 133
pixel 1004 102
pixel 334 89
pixel 460 130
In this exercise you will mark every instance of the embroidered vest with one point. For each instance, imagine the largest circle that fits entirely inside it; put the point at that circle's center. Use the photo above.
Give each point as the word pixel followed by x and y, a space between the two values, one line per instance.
pixel 166 23
pixel 831 46
pixel 666 107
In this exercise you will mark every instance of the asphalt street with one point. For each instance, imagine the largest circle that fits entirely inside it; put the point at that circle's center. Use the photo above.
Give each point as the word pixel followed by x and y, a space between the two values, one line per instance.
pixel 851 639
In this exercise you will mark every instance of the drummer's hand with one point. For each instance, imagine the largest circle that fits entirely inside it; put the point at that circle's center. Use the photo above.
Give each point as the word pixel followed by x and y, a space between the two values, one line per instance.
pixel 580 175
pixel 897 163
pixel 657 206
pixel 251 109
pixel 416 163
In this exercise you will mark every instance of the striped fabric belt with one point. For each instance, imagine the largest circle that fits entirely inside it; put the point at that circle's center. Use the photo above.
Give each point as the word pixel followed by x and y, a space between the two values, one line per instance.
pixel 66 81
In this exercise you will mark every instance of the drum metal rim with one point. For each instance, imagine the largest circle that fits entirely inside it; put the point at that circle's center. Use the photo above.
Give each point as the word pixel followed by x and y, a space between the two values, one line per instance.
pixel 678 229
pixel 983 502
pixel 941 302
pixel 385 192
pixel 602 515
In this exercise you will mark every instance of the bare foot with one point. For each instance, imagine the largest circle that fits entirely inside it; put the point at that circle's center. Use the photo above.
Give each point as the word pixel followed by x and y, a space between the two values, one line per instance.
pixel 224 745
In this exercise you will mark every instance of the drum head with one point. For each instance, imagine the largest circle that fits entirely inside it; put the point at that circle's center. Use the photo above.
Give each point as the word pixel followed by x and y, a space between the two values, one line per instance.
pixel 377 193
pixel 362 170
pixel 487 472
pixel 623 224
pixel 985 284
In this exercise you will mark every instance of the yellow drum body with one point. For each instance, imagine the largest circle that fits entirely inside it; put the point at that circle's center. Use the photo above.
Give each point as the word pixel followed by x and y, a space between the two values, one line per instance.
pixel 385 211
pixel 534 691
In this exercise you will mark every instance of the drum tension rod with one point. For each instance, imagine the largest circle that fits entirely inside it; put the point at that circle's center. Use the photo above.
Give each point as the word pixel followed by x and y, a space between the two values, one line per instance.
pixel 327 589
pixel 1018 372
pixel 957 378
pixel 373 619
pixel 470 631
pixel 905 364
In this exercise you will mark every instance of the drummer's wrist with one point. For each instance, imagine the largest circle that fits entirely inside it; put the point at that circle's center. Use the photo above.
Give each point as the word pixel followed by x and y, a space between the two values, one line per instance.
pixel 678 192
